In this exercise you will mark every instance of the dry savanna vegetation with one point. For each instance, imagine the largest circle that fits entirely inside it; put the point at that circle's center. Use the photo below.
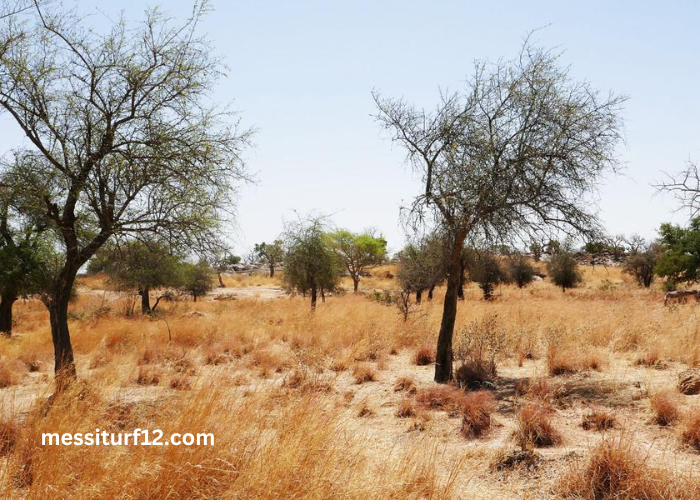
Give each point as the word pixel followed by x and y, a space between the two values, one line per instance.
pixel 338 402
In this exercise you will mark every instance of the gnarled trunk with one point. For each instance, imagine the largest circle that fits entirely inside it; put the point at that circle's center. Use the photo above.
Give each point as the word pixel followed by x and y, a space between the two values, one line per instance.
pixel 64 363
pixel 355 284
pixel 443 358
pixel 145 300
pixel 6 303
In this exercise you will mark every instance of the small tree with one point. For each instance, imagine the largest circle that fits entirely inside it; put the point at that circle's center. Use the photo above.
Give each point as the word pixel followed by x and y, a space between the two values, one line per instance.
pixel 272 254
pixel 311 265
pixel 536 251
pixel 140 266
pixel 520 271
pixel 196 279
pixel 679 260
pixel 485 269
pixel 641 265
pixel 224 262
pixel 563 270
pixel 423 265
pixel 357 252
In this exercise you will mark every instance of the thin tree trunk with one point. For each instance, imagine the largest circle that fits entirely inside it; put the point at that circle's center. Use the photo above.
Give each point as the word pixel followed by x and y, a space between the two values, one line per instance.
pixel 323 295
pixel 430 292
pixel 314 292
pixel 460 290
pixel 419 295
pixel 6 303
pixel 64 363
pixel 221 281
pixel 443 358
pixel 272 270
pixel 145 300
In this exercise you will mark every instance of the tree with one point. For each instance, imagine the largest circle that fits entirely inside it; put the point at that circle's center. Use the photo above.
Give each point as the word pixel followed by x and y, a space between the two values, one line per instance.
pixel 422 265
pixel 140 266
pixel 311 265
pixel 223 262
pixel 685 186
pixel 563 271
pixel 485 269
pixel 679 260
pixel 196 279
pixel 123 139
pixel 513 155
pixel 536 251
pixel 24 255
pixel 272 254
pixel 640 264
pixel 520 271
pixel 357 252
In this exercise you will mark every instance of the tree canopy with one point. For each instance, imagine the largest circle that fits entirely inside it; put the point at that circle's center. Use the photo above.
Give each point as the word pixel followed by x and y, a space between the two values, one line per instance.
pixel 357 252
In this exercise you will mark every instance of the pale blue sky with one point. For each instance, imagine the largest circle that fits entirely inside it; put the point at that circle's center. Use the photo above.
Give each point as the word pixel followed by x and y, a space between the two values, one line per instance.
pixel 301 72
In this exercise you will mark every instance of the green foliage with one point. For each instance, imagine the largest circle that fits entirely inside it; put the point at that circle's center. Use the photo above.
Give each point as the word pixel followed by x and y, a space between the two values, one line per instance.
pixel 641 265
pixel 680 253
pixel 563 270
pixel 311 264
pixel 357 252
pixel 485 269
pixel 595 247
pixel 520 271
pixel 536 251
pixel 196 279
pixel 271 254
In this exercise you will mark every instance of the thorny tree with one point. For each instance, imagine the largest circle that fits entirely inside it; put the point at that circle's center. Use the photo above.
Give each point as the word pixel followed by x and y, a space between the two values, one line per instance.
pixel 124 140
pixel 685 186
pixel 512 156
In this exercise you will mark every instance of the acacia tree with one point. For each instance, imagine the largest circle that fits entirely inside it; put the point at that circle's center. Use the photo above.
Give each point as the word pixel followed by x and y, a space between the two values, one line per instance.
pixel 563 270
pixel 24 254
pixel 641 263
pixel 513 155
pixel 123 138
pixel 196 279
pixel 357 252
pixel 422 265
pixel 310 265
pixel 272 254
pixel 144 266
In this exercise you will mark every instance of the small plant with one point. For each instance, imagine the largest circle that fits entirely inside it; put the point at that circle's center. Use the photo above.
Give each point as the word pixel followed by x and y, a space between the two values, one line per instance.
pixel 476 408
pixel 665 407
pixel 406 409
pixel 598 420
pixel 405 384
pixel 691 429
pixel 535 428
pixel 364 373
pixel 424 356
pixel 477 349
pixel 148 376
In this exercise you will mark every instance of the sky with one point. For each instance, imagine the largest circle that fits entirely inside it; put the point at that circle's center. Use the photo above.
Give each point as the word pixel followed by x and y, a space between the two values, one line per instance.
pixel 301 73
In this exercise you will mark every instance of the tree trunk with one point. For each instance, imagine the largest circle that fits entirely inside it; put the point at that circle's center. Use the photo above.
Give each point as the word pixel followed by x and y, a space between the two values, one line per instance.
pixel 6 303
pixel 419 296
pixel 460 290
pixel 355 284
pixel 272 270
pixel 221 281
pixel 145 300
pixel 323 295
pixel 64 363
pixel 430 292
pixel 443 358
pixel 314 292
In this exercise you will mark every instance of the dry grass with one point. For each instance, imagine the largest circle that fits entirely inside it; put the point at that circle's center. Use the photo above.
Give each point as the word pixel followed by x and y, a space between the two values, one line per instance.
pixel 690 433
pixel 534 427
pixel 278 387
pixel 665 407
pixel 424 356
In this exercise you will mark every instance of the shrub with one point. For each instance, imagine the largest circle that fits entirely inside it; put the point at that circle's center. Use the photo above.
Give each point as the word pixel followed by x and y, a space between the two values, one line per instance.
pixel 520 271
pixel 364 373
pixel 615 471
pixel 406 409
pixel 535 428
pixel 476 408
pixel 598 420
pixel 477 349
pixel 691 430
pixel 424 356
pixel 665 407
pixel 441 397
pixel 563 271
pixel 10 373
pixel 405 384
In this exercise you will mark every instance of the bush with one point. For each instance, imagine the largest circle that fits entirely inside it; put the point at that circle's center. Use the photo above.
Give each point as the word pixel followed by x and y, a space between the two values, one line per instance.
pixel 520 271
pixel 535 428
pixel 563 271
pixel 364 373
pixel 441 397
pixel 485 269
pixel 477 349
pixel 424 356
pixel 405 384
pixel 665 407
pixel 406 409
pixel 598 420
pixel 476 408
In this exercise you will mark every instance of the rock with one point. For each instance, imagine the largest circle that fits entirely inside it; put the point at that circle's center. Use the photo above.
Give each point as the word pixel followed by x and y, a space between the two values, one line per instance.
pixel 689 382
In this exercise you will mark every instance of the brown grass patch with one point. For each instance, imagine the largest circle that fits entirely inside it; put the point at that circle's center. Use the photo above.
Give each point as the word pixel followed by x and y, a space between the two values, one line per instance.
pixel 476 408
pixel 664 405
pixel 424 356
pixel 364 373
pixel 406 409
pixel 148 376
pixel 598 420
pixel 690 434
pixel 405 384
pixel 535 428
